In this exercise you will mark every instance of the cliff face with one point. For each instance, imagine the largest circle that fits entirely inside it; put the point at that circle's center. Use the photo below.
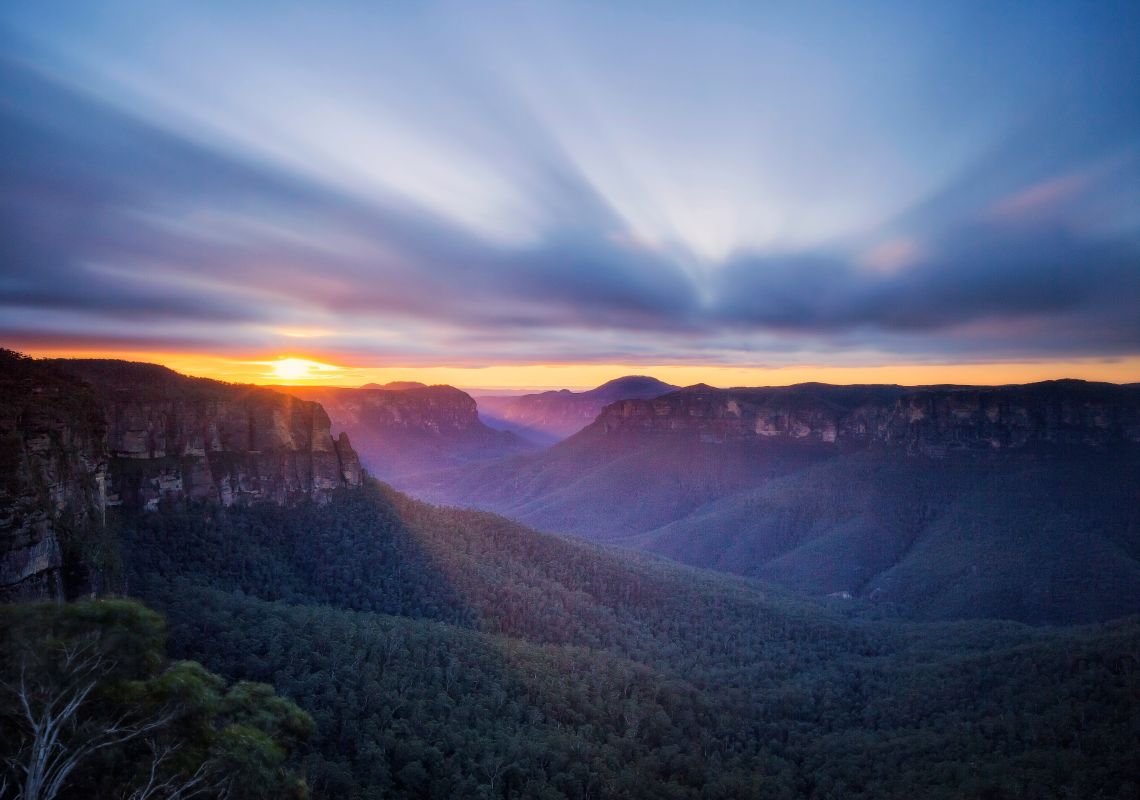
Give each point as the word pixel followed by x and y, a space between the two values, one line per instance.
pixel 933 421
pixel 79 436
pixel 441 410
pixel 1019 502
pixel 172 437
pixel 408 428
pixel 247 449
pixel 53 475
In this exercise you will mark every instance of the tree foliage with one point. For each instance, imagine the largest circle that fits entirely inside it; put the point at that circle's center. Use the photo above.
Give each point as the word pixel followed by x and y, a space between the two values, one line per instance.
pixel 93 709
pixel 450 653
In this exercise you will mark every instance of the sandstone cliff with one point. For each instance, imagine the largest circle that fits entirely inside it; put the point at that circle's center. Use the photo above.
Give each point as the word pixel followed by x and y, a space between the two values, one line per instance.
pixel 644 464
pixel 53 475
pixel 171 436
pixel 407 428
pixel 933 421
pixel 77 437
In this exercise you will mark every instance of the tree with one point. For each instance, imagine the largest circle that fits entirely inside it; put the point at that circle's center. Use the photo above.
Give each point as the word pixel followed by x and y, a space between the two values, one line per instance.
pixel 58 733
pixel 98 712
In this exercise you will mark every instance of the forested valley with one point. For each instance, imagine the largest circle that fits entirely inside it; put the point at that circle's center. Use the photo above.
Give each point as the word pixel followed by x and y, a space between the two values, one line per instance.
pixel 451 653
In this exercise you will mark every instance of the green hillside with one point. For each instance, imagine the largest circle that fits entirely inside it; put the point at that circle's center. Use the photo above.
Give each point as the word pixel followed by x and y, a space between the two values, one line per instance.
pixel 448 653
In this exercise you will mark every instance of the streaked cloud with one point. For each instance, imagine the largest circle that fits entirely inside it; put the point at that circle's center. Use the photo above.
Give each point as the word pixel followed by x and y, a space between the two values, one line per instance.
pixel 519 183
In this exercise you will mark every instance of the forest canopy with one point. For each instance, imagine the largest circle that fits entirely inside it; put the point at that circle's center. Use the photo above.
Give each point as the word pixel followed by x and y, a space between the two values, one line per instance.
pixel 451 653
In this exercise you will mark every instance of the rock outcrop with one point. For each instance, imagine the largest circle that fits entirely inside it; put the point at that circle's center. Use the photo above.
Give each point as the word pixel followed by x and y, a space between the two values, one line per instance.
pixel 77 437
pixel 933 421
pixel 171 437
pixel 407 428
pixel 53 475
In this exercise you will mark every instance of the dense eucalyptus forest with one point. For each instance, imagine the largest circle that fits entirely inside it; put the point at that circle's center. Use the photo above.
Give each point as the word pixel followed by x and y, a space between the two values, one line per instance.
pixel 451 653
pixel 94 707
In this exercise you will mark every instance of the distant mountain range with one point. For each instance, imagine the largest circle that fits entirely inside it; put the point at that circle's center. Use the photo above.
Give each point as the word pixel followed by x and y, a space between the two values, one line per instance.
pixel 405 428
pixel 548 417
pixel 940 502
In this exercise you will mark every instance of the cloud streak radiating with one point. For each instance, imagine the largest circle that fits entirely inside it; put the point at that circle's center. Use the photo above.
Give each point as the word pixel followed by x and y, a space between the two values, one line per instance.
pixel 462 184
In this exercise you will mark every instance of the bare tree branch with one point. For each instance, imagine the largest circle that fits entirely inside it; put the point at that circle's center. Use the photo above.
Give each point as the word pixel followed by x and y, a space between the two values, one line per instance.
pixel 176 786
pixel 56 740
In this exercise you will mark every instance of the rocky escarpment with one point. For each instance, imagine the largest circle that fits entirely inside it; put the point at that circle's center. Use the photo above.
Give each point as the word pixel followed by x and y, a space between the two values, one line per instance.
pixel 77 437
pixel 402 429
pixel 1017 502
pixel 929 420
pixel 171 437
pixel 53 476
pixel 406 406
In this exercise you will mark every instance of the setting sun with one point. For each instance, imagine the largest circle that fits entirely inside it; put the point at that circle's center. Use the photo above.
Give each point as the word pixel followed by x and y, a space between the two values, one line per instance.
pixel 299 369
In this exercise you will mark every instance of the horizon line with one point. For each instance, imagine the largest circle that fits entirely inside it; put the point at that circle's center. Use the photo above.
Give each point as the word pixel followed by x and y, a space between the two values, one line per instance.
pixel 508 379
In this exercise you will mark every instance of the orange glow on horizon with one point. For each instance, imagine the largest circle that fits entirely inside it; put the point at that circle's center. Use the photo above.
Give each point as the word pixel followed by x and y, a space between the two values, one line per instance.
pixel 299 370
pixel 322 370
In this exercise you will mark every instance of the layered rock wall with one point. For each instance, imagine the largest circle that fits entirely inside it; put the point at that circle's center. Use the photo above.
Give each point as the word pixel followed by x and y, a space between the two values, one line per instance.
pixel 439 410
pixel 403 431
pixel 53 475
pixel 79 436
pixel 257 446
pixel 929 420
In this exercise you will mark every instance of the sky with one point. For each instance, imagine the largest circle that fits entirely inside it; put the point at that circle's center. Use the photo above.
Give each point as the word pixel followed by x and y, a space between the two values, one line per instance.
pixel 538 194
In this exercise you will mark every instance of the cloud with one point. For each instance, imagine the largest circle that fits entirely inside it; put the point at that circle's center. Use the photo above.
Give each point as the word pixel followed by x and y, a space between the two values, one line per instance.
pixel 182 231
pixel 121 226
pixel 972 273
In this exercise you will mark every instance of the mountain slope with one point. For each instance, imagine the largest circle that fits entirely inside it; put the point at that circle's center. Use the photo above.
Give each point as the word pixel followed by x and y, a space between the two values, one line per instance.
pixel 1049 539
pixel 606 486
pixel 453 653
pixel 548 417
pixel 405 428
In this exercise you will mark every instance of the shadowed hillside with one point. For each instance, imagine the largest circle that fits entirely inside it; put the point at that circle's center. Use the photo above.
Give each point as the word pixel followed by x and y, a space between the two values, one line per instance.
pixel 445 652
pixel 1047 539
